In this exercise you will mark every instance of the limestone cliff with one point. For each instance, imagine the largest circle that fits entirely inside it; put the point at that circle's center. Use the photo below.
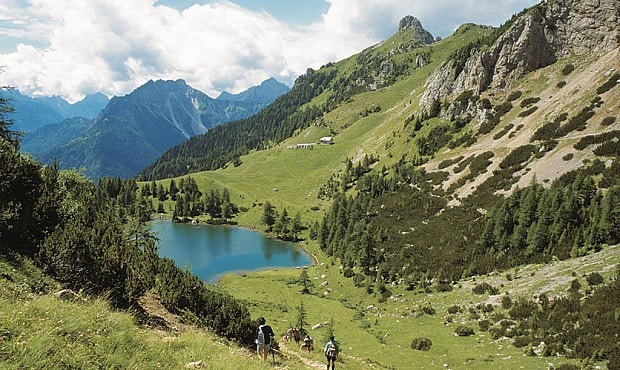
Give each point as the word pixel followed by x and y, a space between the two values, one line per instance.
pixel 541 35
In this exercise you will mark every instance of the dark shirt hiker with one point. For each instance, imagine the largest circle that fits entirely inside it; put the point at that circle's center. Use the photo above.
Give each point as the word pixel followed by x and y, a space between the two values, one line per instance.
pixel 263 338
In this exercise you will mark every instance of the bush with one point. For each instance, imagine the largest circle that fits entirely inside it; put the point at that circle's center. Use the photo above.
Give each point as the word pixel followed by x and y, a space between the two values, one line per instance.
pixel 514 95
pixel 485 288
pixel 561 84
pixel 484 325
pixel 607 121
pixel 523 309
pixel 529 101
pixel 454 309
pixel 421 344
pixel 613 81
pixel 568 69
pixel 506 302
pixel 443 286
pixel 428 310
pixel 349 273
pixel 529 111
pixel 567 367
pixel 521 341
pixel 502 109
pixel 464 331
pixel 594 279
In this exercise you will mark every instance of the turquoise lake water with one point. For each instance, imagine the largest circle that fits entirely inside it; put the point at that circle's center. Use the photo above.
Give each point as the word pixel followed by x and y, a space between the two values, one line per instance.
pixel 212 251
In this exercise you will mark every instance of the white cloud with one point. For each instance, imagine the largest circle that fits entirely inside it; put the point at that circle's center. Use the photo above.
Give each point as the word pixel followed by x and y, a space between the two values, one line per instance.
pixel 77 47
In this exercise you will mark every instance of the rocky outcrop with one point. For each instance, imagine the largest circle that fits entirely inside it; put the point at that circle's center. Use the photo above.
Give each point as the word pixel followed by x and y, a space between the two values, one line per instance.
pixel 412 23
pixel 542 35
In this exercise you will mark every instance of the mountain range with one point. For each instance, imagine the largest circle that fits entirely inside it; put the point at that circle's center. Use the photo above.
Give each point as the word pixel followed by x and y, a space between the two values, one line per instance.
pixel 32 113
pixel 131 131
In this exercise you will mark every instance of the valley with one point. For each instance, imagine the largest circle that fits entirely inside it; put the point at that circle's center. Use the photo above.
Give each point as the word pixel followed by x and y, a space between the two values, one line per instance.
pixel 464 217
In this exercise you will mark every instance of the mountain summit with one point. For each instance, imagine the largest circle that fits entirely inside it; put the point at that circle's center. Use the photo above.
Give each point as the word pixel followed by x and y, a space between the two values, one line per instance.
pixel 133 130
pixel 412 23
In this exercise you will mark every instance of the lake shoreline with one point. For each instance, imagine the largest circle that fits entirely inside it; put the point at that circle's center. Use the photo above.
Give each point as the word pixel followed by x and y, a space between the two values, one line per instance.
pixel 212 251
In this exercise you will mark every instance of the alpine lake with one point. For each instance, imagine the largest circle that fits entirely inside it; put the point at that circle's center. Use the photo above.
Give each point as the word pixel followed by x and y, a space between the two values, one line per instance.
pixel 210 251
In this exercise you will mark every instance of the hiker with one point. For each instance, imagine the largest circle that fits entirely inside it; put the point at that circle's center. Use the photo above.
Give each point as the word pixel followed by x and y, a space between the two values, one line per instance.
pixel 308 343
pixel 296 335
pixel 263 338
pixel 331 352
pixel 293 333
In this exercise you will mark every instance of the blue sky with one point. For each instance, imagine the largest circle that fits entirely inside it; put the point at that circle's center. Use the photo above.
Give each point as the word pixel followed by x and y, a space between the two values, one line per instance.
pixel 75 47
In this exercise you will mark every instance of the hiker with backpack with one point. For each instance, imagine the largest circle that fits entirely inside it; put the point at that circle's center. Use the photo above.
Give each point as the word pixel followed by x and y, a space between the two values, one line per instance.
pixel 263 338
pixel 331 352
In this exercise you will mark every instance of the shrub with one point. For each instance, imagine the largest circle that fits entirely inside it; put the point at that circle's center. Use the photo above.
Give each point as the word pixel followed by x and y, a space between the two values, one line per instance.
pixel 575 285
pixel 568 69
pixel 503 131
pixel 529 101
pixel 428 310
pixel 497 332
pixel 502 109
pixel 529 111
pixel 521 341
pixel 609 84
pixel 568 157
pixel 607 121
pixel 464 331
pixel 506 302
pixel 349 273
pixel 421 344
pixel 484 288
pixel 484 325
pixel 594 279
pixel 522 309
pixel 449 162
pixel 561 84
pixel 518 156
pixel 514 95
pixel 454 309
pixel 567 367
pixel 443 286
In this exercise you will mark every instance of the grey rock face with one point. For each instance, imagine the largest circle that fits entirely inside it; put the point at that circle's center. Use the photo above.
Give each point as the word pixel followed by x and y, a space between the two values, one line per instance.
pixel 545 33
pixel 412 23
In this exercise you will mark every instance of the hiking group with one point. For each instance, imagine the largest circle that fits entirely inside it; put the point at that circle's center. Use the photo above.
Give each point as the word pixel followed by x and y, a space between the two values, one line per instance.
pixel 265 334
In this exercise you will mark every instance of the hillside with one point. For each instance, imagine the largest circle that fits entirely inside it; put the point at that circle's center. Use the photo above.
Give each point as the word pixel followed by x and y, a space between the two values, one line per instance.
pixel 457 221
pixel 472 155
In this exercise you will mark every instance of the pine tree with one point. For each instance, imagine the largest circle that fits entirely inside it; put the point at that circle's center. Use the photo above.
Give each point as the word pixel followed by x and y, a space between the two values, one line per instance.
pixel 269 215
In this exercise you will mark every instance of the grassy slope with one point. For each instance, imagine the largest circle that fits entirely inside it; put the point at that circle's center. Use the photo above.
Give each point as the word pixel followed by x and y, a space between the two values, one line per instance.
pixel 39 331
pixel 379 335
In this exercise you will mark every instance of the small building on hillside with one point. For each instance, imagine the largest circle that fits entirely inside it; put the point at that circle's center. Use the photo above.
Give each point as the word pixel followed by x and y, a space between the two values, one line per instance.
pixel 327 140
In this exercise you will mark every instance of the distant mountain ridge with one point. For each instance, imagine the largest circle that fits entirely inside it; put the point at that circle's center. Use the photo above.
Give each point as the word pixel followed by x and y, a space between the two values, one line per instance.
pixel 32 113
pixel 133 130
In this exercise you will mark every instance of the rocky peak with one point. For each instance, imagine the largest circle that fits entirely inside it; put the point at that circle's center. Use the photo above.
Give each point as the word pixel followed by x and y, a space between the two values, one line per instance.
pixel 412 23
pixel 540 36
